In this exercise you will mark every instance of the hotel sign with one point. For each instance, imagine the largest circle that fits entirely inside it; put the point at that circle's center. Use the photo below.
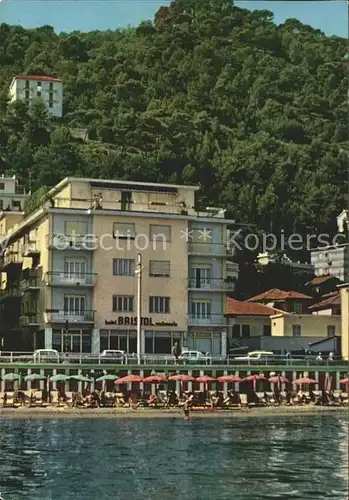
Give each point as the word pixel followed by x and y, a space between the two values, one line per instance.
pixel 132 321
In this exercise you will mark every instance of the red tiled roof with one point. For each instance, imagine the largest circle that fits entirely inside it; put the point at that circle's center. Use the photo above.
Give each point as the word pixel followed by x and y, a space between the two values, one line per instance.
pixel 277 294
pixel 321 279
pixel 331 299
pixel 244 308
pixel 39 78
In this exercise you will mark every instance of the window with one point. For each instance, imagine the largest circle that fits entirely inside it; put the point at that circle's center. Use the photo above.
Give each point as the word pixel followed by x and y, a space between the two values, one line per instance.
pixel 27 94
pixel 245 331
pixel 2 186
pixel 74 305
pixel 266 330
pixel 1 204
pixel 75 269
pixel 201 277
pixel 38 93
pixel 75 228
pixel 160 233
pixel 27 84
pixel 236 331
pixel 331 330
pixel 159 305
pixel 122 303
pixel 51 86
pixel 297 307
pixel 159 268
pixel 296 330
pixel 39 85
pixel 124 230
pixel 16 204
pixel 50 104
pixel 201 309
pixel 123 267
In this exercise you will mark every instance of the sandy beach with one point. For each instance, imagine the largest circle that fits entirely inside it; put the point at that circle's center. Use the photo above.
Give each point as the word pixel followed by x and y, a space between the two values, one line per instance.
pixel 54 413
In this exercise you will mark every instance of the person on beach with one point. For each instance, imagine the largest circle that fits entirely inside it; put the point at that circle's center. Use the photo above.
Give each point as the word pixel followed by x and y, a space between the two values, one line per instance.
pixel 187 405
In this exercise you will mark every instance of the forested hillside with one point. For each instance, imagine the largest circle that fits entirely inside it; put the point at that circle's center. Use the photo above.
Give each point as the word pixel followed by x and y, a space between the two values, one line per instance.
pixel 206 93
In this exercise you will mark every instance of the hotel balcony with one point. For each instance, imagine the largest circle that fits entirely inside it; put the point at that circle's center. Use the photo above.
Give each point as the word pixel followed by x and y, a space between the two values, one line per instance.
pixel 207 248
pixel 11 259
pixel 73 318
pixel 30 249
pixel 210 284
pixel 207 320
pixel 71 242
pixel 29 319
pixel 29 283
pixel 56 278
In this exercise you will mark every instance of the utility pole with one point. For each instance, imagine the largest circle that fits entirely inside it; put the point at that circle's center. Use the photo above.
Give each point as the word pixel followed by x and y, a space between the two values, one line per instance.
pixel 138 272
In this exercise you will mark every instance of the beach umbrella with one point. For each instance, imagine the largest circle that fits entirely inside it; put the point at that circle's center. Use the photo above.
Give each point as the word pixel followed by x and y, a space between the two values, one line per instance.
pixel 34 376
pixel 205 379
pixel 129 379
pixel 344 381
pixel 277 379
pixel 80 378
pixel 60 377
pixel 304 380
pixel 230 379
pixel 155 379
pixel 104 378
pixel 182 378
pixel 11 377
pixel 254 379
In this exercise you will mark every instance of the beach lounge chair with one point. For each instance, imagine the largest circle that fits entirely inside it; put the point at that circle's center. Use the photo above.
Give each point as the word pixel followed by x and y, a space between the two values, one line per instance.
pixel 68 398
pixel 244 401
pixel 9 400
pixel 345 398
pixel 56 399
pixel 271 398
pixel 337 397
pixel 261 399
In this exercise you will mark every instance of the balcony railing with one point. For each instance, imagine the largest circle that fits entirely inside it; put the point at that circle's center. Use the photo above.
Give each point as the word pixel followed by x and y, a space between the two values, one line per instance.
pixel 210 284
pixel 30 249
pixel 71 242
pixel 29 319
pixel 57 278
pixel 72 317
pixel 12 257
pixel 207 319
pixel 207 248
pixel 12 292
pixel 29 283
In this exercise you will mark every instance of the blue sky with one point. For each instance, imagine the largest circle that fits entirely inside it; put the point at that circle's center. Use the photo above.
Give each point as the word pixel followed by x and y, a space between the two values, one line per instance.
pixel 331 16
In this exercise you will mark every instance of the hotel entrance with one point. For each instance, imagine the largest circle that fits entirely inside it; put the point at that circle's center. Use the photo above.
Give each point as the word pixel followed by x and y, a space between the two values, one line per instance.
pixel 76 341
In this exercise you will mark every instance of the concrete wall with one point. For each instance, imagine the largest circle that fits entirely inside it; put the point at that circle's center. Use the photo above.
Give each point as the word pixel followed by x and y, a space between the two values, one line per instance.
pixel 311 325
pixel 345 322
pixel 256 324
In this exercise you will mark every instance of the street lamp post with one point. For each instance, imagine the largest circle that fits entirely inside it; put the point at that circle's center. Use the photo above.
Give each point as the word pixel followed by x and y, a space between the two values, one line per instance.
pixel 138 272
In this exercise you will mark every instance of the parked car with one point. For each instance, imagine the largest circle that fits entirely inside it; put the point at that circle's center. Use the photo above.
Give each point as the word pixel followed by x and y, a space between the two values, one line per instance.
pixel 46 356
pixel 113 356
pixel 195 357
pixel 256 356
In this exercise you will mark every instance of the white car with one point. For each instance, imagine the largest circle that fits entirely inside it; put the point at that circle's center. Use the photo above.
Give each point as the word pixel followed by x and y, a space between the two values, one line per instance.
pixel 195 357
pixel 46 356
pixel 112 356
pixel 255 356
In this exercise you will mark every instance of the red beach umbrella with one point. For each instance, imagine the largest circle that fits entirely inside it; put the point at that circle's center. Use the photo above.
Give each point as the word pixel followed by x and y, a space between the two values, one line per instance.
pixel 304 380
pixel 254 379
pixel 229 379
pixel 129 379
pixel 205 379
pixel 182 378
pixel 276 380
pixel 344 381
pixel 155 379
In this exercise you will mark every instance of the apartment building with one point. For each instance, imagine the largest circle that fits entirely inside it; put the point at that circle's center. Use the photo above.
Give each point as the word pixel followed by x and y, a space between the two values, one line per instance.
pixel 12 195
pixel 331 261
pixel 72 266
pixel 29 87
